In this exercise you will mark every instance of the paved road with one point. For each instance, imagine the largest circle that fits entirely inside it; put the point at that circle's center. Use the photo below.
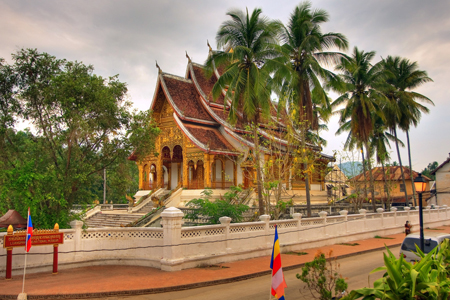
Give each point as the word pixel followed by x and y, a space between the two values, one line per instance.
pixel 355 268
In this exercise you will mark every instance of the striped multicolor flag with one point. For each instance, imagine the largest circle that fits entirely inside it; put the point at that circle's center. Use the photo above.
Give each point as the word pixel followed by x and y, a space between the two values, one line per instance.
pixel 29 232
pixel 278 282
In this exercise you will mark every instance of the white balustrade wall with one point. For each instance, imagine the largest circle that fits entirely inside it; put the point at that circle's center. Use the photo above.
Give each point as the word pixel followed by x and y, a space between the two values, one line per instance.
pixel 174 247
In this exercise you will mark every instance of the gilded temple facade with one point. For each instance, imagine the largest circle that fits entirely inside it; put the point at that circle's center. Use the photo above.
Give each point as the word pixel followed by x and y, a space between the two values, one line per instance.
pixel 198 147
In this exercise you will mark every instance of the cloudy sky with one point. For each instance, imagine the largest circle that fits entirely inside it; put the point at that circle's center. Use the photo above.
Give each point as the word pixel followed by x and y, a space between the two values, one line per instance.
pixel 127 37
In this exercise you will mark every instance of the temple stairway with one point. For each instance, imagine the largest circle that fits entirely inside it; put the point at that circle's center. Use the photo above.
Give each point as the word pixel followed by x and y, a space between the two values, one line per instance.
pixel 111 219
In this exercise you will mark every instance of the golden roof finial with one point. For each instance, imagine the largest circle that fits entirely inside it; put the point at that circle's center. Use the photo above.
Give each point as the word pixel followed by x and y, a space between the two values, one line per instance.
pixel 207 43
pixel 56 228
pixel 10 230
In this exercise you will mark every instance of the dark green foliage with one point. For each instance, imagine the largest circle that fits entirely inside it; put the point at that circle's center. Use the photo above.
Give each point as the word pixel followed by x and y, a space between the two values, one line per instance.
pixel 426 279
pixel 80 124
pixel 227 206
pixel 430 168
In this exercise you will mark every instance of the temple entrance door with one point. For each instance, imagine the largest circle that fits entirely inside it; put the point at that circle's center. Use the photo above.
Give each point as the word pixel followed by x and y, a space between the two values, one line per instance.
pixel 196 175
pixel 248 177
pixel 176 170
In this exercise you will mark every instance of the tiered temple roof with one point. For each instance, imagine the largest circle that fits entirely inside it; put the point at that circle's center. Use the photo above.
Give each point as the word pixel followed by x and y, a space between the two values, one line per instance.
pixel 203 119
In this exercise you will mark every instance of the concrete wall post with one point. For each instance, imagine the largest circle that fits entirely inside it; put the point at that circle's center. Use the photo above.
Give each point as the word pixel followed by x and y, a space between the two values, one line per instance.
pixel 78 226
pixel 172 253
pixel 345 214
pixel 266 219
pixel 323 215
pixel 363 212
pixel 394 209
pixel 225 221
pixel 298 218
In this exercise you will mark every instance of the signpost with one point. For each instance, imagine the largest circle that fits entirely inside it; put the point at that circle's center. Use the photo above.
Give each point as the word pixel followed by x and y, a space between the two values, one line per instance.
pixel 39 238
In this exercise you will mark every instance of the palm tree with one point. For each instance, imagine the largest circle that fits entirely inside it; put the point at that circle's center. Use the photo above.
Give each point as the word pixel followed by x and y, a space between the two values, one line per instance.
pixel 304 48
pixel 379 142
pixel 401 76
pixel 249 41
pixel 357 83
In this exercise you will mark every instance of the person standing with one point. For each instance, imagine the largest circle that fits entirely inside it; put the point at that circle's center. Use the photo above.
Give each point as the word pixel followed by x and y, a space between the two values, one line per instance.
pixel 407 228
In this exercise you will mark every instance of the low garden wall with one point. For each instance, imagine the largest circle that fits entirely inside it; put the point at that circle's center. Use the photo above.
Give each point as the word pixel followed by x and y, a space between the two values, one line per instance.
pixel 174 247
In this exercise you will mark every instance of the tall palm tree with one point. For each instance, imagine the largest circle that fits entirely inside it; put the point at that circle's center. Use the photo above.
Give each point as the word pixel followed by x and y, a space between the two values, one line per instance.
pixel 401 76
pixel 305 48
pixel 249 42
pixel 357 83
pixel 379 142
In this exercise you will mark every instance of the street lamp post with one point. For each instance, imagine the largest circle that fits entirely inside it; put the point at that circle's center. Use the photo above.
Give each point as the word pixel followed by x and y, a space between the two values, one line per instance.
pixel 420 184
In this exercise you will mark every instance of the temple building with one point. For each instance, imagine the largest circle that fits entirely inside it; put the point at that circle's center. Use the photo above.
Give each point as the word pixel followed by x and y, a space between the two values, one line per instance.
pixel 199 148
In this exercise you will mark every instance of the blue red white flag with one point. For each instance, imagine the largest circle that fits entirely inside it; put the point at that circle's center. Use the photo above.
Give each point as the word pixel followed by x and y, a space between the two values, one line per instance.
pixel 29 232
pixel 278 282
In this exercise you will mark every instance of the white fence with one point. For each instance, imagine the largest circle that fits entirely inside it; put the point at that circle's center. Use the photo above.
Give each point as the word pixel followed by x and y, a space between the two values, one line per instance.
pixel 174 247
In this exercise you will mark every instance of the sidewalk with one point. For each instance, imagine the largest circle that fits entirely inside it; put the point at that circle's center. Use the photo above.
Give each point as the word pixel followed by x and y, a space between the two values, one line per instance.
pixel 103 281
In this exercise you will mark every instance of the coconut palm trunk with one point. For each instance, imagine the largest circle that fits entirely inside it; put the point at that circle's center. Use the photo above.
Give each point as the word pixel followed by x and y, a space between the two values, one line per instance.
pixel 364 172
pixel 305 168
pixel 372 189
pixel 386 188
pixel 410 169
pixel 401 166
pixel 258 168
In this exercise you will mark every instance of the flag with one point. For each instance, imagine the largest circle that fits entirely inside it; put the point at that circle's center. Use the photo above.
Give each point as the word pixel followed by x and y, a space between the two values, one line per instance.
pixel 278 282
pixel 29 232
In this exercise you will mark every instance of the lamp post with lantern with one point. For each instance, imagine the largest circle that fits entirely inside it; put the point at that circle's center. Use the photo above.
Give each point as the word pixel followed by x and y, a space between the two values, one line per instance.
pixel 420 184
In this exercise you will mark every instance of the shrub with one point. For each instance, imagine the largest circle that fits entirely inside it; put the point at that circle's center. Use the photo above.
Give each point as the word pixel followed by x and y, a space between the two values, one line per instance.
pixel 322 277
pixel 228 205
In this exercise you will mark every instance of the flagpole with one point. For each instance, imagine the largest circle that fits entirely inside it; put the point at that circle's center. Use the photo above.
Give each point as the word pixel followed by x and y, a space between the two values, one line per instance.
pixel 24 271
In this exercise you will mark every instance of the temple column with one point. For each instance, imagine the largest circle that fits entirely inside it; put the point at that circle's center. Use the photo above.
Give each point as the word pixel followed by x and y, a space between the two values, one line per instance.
pixel 141 175
pixel 159 173
pixel 223 174
pixel 207 169
pixel 214 174
pixel 179 183
pixel 235 173
pixel 185 172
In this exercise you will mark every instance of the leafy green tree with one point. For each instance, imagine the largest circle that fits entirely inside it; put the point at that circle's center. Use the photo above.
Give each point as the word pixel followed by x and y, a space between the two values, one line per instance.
pixel 358 85
pixel 80 124
pixel 404 110
pixel 249 42
pixel 305 48
pixel 430 168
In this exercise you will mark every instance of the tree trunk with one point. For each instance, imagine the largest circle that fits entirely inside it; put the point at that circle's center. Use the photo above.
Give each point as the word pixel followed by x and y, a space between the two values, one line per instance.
pixel 372 189
pixel 364 172
pixel 410 169
pixel 401 166
pixel 305 167
pixel 386 188
pixel 258 168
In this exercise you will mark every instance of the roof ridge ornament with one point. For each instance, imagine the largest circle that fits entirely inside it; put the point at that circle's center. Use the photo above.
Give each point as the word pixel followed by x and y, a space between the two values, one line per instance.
pixel 209 46
pixel 187 56
pixel 159 69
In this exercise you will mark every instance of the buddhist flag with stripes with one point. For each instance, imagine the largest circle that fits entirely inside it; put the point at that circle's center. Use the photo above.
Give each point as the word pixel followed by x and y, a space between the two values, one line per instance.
pixel 278 282
pixel 29 232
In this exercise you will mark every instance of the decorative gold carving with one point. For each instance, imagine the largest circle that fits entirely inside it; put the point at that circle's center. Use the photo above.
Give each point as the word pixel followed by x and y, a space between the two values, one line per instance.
pixel 170 137
pixel 166 110
pixel 195 156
